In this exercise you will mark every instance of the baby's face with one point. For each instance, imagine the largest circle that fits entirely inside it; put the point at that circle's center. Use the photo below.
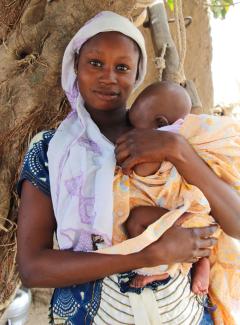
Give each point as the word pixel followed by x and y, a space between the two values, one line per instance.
pixel 158 110
pixel 153 122
pixel 143 117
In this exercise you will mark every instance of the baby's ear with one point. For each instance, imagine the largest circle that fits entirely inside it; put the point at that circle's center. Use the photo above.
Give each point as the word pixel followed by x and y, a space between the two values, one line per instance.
pixel 161 121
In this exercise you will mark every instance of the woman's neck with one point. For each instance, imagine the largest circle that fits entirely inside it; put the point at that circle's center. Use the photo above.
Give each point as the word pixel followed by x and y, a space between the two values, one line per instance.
pixel 111 123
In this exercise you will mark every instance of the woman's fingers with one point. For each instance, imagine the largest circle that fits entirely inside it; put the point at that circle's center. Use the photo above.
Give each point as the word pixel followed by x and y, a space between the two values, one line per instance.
pixel 141 146
pixel 204 242
pixel 205 232
pixel 127 155
pixel 207 242
pixel 202 254
pixel 199 254
pixel 121 152
pixel 128 165
pixel 203 239
pixel 181 245
pixel 193 260
pixel 123 138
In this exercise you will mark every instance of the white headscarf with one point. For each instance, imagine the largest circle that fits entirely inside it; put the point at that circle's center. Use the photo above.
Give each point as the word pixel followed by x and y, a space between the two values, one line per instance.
pixel 81 160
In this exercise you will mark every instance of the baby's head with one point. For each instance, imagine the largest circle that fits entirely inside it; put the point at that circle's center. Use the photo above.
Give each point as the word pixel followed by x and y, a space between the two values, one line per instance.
pixel 160 104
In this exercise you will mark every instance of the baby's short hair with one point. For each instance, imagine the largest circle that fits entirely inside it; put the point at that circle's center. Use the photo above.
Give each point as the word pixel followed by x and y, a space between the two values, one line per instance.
pixel 162 97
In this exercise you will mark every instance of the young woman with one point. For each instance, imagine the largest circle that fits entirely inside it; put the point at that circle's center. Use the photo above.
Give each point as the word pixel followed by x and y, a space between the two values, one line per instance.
pixel 60 184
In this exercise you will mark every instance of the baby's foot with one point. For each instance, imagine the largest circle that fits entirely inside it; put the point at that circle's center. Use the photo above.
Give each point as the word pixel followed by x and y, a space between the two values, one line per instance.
pixel 200 278
pixel 200 287
pixel 140 281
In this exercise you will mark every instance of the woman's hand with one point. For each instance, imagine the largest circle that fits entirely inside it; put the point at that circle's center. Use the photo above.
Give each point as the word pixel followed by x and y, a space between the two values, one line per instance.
pixel 179 245
pixel 145 145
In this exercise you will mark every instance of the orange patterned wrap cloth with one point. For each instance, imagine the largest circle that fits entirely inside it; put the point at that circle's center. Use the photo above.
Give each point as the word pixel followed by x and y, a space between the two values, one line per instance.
pixel 217 141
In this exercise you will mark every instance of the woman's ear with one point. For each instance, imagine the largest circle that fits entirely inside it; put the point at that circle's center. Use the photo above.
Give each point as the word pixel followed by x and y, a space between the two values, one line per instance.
pixel 76 59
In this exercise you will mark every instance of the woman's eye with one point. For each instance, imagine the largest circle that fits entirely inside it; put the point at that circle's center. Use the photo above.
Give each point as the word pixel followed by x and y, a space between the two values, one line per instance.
pixel 122 67
pixel 96 63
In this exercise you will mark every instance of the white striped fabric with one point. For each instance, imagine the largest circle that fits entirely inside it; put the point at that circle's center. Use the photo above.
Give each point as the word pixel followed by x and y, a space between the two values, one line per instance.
pixel 174 302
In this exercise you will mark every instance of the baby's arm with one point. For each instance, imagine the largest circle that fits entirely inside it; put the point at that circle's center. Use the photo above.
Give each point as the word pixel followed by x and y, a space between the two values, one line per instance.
pixel 141 217
pixel 146 169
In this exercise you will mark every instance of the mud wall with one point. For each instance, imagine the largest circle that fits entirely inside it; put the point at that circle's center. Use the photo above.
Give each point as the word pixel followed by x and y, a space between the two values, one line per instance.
pixel 198 55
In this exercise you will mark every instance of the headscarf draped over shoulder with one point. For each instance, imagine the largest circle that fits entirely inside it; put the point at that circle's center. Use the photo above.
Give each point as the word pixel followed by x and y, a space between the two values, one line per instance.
pixel 81 160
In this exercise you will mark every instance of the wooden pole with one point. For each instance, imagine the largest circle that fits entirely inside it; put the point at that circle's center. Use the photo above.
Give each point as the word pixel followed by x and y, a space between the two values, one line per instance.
pixel 161 37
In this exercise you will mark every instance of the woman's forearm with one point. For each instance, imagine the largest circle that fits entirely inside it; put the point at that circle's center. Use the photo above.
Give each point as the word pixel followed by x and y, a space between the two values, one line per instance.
pixel 54 268
pixel 224 201
pixel 57 268
pixel 41 266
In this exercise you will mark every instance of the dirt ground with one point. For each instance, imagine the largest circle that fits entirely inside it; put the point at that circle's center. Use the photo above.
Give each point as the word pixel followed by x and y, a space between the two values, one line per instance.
pixel 39 309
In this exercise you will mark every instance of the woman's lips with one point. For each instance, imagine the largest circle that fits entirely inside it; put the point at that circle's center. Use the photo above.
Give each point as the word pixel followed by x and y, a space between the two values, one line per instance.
pixel 107 96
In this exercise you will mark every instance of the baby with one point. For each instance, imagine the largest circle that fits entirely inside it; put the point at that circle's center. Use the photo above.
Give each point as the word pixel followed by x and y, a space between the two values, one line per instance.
pixel 161 105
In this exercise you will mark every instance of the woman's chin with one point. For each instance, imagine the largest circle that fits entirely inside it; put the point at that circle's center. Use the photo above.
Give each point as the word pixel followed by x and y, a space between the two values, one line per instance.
pixel 105 106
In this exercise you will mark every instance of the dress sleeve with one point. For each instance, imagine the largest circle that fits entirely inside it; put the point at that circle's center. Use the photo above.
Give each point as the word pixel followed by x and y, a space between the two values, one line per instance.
pixel 35 164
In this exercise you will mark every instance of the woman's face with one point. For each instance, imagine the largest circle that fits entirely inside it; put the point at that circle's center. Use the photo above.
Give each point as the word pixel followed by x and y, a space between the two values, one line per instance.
pixel 107 70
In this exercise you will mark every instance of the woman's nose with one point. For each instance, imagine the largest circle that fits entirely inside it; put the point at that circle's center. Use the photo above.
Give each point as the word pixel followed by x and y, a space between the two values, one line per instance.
pixel 108 75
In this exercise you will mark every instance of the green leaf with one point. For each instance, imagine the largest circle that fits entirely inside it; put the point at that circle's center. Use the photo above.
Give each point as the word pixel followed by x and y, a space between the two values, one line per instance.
pixel 170 4
pixel 219 8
